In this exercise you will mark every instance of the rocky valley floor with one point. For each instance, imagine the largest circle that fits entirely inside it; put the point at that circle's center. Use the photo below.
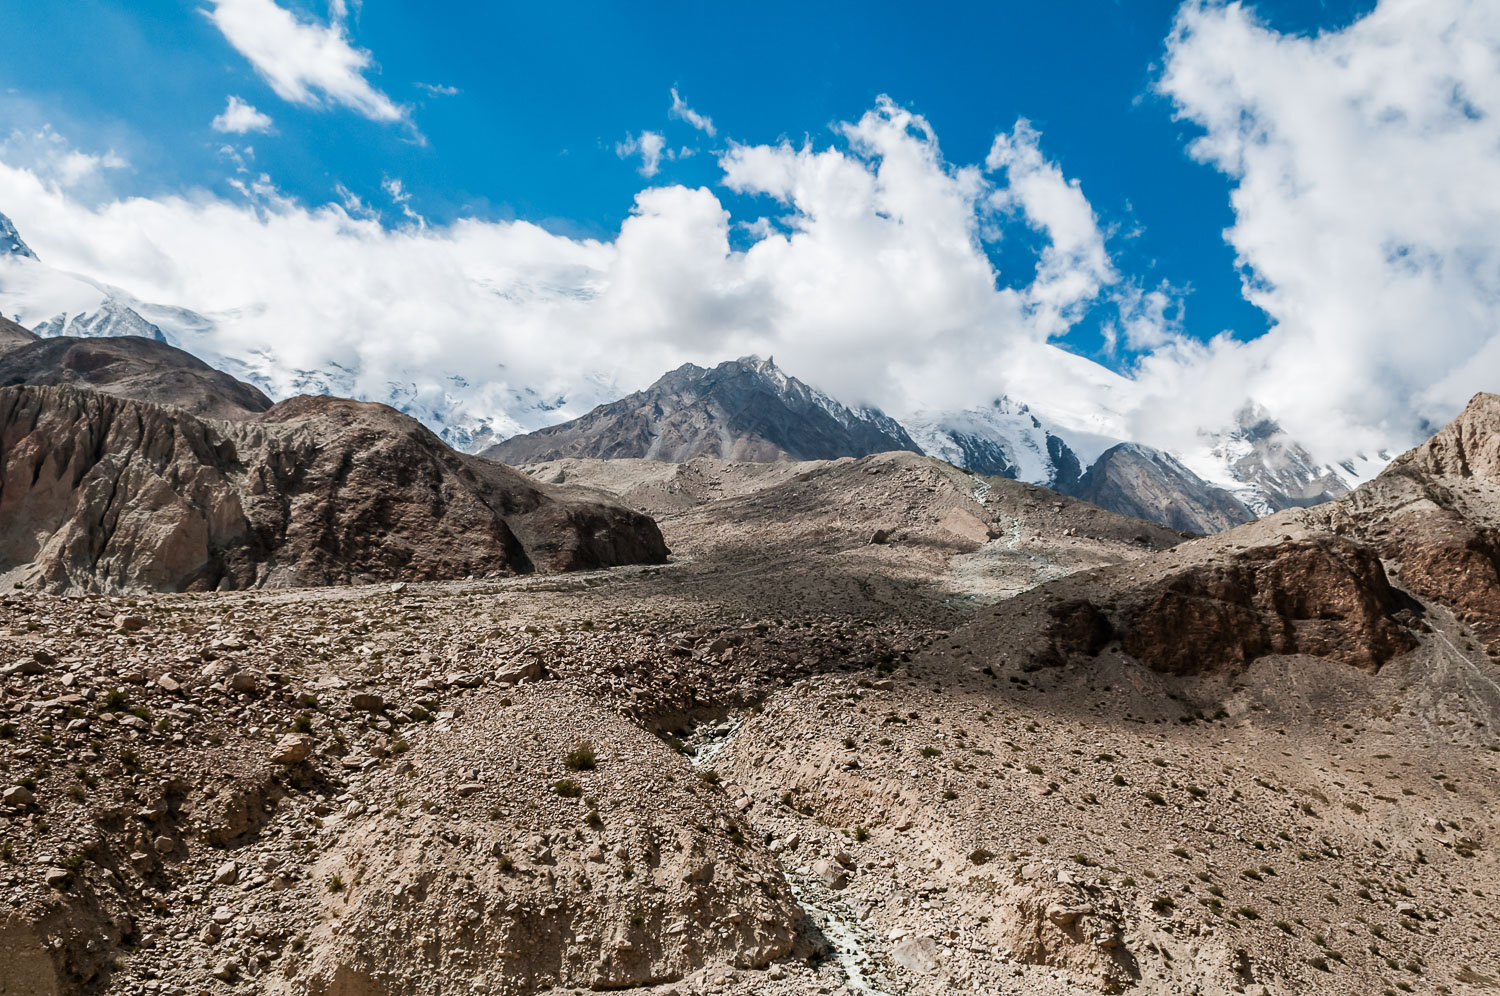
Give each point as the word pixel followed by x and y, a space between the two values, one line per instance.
pixel 878 726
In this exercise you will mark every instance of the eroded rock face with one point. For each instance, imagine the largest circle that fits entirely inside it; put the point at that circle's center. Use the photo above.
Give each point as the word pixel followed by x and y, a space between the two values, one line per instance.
pixel 103 493
pixel 1467 447
pixel 1435 513
pixel 1326 598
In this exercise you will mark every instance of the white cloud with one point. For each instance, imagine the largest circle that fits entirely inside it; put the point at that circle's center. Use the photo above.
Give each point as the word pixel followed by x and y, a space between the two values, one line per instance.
pixel 1366 196
pixel 49 156
pixel 438 89
pixel 396 190
pixel 650 146
pixel 239 118
pixel 683 112
pixel 1367 201
pixel 305 63
pixel 873 281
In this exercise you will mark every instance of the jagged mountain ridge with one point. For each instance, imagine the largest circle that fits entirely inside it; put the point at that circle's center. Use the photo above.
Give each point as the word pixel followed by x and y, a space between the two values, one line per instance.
pixel 1253 462
pixel 745 409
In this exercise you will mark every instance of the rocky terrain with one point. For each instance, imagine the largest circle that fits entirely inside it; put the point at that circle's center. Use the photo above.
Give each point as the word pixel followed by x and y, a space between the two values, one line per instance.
pixel 101 493
pixel 878 725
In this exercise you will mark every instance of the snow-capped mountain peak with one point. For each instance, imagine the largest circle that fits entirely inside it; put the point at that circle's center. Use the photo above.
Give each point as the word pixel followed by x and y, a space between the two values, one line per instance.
pixel 11 243
pixel 1004 439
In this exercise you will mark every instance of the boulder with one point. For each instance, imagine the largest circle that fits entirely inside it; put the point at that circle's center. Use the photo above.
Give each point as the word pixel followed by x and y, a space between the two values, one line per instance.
pixel 292 749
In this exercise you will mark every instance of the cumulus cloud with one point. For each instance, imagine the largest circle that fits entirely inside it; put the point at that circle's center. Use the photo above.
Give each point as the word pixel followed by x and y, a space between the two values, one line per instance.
pixel 1366 196
pixel 650 146
pixel 682 112
pixel 1364 185
pixel 872 280
pixel 239 118
pixel 305 63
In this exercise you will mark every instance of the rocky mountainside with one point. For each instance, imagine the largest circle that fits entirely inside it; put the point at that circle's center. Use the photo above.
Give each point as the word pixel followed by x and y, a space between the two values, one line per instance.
pixel 100 493
pixel 744 409
pixel 128 367
pixel 1148 484
pixel 748 410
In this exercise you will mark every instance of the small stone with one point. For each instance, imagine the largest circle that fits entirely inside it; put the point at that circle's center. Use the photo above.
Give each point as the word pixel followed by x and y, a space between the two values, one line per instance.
pixel 368 702
pixel 830 873
pixel 129 623
pixel 517 673
pixel 167 683
pixel 222 915
pixel 245 683
pixel 56 878
pixel 228 872
pixel 918 954
pixel 164 845
pixel 469 788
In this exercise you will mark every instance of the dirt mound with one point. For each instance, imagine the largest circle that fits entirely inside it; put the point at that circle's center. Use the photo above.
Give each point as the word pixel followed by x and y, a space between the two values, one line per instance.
pixel 625 870
pixel 103 493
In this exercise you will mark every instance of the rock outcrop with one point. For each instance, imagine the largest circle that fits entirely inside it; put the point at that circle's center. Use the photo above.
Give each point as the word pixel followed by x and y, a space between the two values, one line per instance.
pixel 101 493
pixel 128 367
pixel 1435 512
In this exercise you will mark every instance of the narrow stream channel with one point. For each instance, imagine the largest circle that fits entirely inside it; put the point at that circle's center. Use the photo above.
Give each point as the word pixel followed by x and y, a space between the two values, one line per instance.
pixel 848 941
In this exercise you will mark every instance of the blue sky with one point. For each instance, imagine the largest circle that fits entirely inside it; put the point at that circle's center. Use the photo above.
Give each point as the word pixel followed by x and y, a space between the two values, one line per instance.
pixel 547 91
pixel 470 209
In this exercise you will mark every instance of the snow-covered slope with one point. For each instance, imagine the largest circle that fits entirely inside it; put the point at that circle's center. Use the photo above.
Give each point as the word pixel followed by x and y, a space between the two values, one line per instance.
pixel 10 240
pixel 51 302
pixel 1004 439
pixel 1267 470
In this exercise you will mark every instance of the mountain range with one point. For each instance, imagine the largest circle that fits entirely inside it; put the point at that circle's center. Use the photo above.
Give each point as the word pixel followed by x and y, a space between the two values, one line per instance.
pixel 749 409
